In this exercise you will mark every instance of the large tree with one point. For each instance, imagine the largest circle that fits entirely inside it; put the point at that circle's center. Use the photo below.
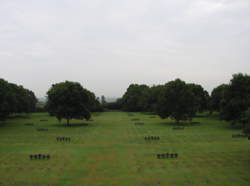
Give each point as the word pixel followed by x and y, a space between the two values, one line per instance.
pixel 68 100
pixel 132 100
pixel 5 99
pixel 94 104
pixel 15 99
pixel 236 98
pixel 201 96
pixel 177 101
pixel 217 97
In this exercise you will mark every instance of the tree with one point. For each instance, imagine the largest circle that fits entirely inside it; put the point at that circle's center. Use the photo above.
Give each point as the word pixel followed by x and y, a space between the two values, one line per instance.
pixel 93 105
pixel 68 100
pixel 24 99
pixel 132 100
pixel 5 99
pixel 153 98
pixel 117 105
pixel 15 99
pixel 177 101
pixel 217 97
pixel 103 100
pixel 201 96
pixel 236 98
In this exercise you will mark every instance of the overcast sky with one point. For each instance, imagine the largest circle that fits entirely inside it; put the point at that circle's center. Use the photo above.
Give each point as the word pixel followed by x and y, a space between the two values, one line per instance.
pixel 108 44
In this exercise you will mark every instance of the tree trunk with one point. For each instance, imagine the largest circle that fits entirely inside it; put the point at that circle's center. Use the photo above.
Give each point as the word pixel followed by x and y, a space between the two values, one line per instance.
pixel 67 122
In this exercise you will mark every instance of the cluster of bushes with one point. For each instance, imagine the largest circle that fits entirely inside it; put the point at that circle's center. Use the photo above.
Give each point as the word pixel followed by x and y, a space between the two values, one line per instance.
pixel 232 101
pixel 15 99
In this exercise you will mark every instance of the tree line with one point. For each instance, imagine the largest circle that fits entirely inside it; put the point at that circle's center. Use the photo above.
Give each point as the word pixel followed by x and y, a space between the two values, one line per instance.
pixel 181 101
pixel 65 100
pixel 15 99
pixel 176 99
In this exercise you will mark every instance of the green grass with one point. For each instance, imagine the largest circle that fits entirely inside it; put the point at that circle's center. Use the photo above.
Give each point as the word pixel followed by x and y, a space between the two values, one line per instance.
pixel 111 150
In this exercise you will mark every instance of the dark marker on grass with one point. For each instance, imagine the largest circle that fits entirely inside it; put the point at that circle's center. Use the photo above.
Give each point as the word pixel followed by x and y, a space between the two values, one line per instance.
pixel 31 156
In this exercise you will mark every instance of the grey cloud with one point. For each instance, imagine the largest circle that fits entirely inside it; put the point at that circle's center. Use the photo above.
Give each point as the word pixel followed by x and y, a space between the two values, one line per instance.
pixel 106 45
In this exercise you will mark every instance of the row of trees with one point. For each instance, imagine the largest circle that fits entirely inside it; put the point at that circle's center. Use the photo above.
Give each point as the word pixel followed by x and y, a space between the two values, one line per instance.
pixel 15 99
pixel 175 99
pixel 65 100
pixel 181 101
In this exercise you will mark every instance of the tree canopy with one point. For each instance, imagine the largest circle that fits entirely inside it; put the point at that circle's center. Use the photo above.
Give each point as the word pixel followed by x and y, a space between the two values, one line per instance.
pixel 201 97
pixel 15 99
pixel 177 101
pixel 236 98
pixel 217 97
pixel 93 104
pixel 69 100
pixel 232 100
pixel 132 100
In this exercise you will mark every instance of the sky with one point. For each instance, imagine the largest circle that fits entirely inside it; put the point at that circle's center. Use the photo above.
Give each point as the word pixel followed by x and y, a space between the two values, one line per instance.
pixel 108 44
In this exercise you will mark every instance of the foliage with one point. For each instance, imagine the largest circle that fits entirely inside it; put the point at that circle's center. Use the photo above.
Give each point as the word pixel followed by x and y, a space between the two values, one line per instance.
pixel 217 97
pixel 150 98
pixel 103 100
pixel 146 99
pixel 177 101
pixel 15 99
pixel 69 100
pixel 5 99
pixel 93 104
pixel 236 99
pixel 201 97
pixel 117 105
pixel 132 100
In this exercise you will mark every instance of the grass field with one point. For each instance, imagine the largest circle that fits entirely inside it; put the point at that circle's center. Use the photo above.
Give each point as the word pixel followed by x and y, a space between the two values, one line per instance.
pixel 111 150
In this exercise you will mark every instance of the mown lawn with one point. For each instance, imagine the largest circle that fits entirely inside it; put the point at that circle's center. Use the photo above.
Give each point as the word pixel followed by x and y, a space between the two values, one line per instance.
pixel 111 150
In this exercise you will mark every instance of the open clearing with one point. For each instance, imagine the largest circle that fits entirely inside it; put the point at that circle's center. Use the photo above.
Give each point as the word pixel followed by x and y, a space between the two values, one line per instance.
pixel 111 150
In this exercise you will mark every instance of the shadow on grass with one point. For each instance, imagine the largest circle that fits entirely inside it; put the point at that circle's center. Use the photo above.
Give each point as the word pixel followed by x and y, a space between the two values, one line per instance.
pixel 19 117
pixel 71 125
pixel 194 123
pixel 201 116
pixel 2 124
pixel 175 124
pixel 148 113
pixel 230 126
